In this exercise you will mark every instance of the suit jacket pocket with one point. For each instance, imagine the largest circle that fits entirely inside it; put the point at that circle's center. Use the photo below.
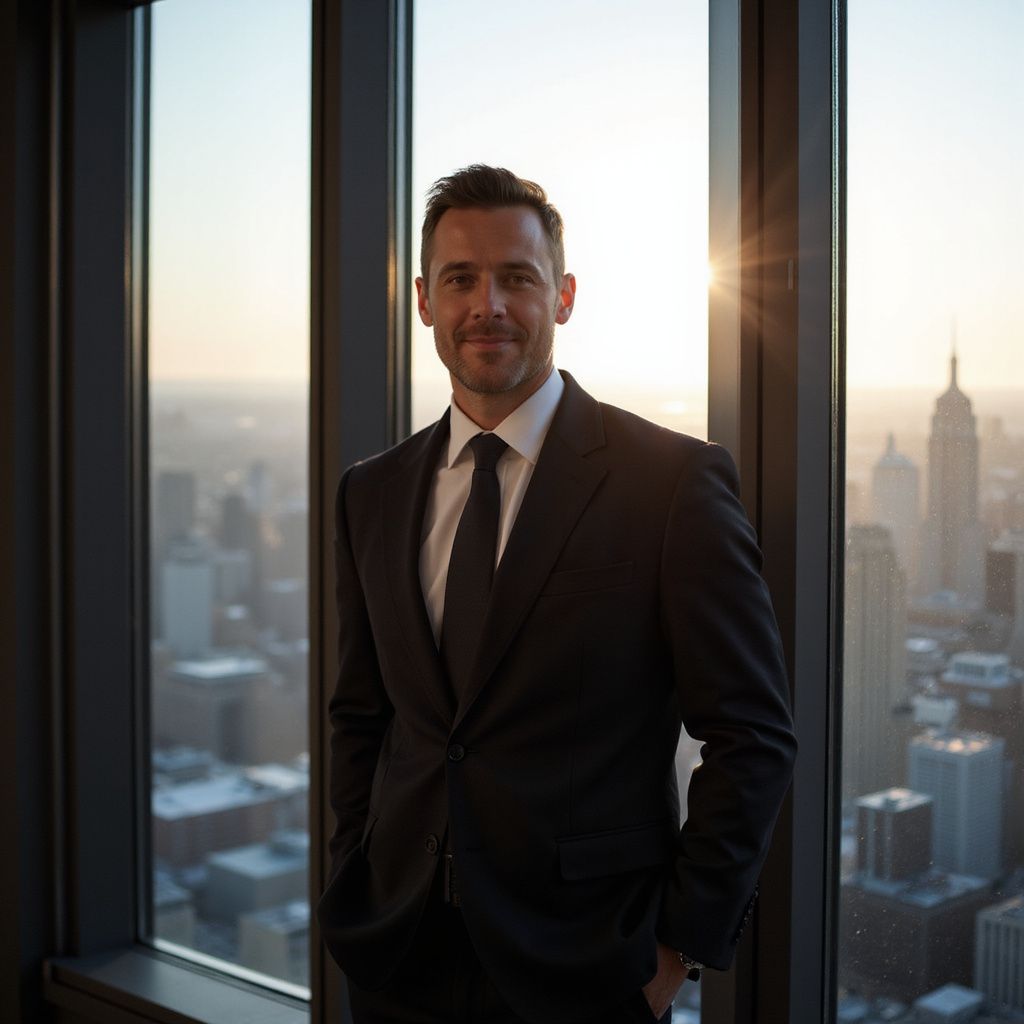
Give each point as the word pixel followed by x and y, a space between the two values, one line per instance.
pixel 617 850
pixel 598 577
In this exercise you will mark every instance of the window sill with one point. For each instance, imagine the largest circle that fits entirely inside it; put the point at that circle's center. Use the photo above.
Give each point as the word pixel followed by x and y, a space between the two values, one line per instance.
pixel 135 985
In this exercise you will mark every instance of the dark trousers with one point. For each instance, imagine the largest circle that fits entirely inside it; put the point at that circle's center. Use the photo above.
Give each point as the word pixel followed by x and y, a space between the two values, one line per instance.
pixel 442 982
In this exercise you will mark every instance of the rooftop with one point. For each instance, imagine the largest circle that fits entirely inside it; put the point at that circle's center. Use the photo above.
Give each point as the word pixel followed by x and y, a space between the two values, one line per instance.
pixel 951 999
pixel 288 918
pixel 926 891
pixel 976 668
pixel 1008 910
pixel 219 668
pixel 265 860
pixel 895 799
pixel 957 742
pixel 223 792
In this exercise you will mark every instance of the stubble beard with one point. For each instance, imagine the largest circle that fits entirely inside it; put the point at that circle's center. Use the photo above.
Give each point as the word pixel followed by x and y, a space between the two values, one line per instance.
pixel 531 361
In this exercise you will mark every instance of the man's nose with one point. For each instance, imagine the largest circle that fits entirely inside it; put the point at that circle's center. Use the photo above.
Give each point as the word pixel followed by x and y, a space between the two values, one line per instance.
pixel 489 299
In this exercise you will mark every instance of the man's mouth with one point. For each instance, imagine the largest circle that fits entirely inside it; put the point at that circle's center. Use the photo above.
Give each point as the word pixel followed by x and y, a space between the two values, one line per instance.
pixel 486 338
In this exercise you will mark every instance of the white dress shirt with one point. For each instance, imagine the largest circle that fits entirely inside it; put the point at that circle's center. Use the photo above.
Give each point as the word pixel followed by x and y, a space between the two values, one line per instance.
pixel 523 430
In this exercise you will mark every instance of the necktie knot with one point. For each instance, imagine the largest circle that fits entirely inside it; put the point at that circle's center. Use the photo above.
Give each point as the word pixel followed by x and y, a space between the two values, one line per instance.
pixel 487 449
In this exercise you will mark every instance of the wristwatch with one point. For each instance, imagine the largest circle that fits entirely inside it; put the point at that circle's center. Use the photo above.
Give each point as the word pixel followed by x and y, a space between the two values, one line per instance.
pixel 693 968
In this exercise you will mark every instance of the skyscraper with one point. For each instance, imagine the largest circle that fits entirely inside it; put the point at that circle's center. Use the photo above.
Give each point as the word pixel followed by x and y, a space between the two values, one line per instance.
pixel 988 695
pixel 895 503
pixel 174 511
pixel 894 834
pixel 874 661
pixel 999 954
pixel 1005 586
pixel 952 551
pixel 187 592
pixel 963 774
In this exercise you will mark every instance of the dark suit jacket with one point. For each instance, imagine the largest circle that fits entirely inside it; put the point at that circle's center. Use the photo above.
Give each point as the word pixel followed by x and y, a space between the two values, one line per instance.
pixel 628 599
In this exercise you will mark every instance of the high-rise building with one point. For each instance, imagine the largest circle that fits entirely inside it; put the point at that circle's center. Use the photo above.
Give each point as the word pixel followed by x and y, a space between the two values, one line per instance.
pixel 257 876
pixel 894 834
pixel 228 809
pixel 275 941
pixel 999 954
pixel 984 686
pixel 238 526
pixel 174 509
pixel 187 592
pixel 952 548
pixel 205 703
pixel 234 706
pixel 1004 586
pixel 900 939
pixel 895 504
pixel 963 773
pixel 988 694
pixel 874 661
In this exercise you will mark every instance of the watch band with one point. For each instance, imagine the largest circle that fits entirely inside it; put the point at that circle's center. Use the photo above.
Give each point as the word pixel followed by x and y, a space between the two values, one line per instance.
pixel 693 967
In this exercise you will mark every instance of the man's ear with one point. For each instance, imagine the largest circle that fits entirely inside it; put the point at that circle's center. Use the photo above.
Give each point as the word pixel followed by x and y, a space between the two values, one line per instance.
pixel 566 298
pixel 423 302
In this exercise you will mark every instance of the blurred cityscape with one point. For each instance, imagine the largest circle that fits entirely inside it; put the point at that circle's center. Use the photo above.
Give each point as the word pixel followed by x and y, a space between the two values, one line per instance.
pixel 932 856
pixel 229 674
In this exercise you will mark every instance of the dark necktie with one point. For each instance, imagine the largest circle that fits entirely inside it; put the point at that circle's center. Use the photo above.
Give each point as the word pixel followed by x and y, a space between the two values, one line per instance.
pixel 471 566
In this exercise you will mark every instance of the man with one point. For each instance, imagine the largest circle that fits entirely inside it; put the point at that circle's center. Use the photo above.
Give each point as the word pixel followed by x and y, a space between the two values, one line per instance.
pixel 533 594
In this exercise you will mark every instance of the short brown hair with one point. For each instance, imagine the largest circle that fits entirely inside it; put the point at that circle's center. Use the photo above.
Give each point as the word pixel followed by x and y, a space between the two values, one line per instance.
pixel 490 188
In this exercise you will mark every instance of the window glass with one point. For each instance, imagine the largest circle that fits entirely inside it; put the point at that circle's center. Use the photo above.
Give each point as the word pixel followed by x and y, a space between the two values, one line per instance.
pixel 932 859
pixel 606 107
pixel 228 410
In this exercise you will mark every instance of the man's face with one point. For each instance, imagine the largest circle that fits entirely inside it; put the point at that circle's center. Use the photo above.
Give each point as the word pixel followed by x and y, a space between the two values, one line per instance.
pixel 492 300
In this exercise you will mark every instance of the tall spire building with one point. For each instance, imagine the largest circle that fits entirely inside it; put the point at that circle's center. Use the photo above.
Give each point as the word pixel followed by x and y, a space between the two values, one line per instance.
pixel 952 551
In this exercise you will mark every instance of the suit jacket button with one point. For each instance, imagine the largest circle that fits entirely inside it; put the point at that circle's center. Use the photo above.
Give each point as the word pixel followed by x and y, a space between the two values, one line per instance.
pixel 456 752
pixel 432 844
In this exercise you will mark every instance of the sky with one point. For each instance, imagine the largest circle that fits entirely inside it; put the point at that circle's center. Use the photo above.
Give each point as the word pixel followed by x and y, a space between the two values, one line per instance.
pixel 230 190
pixel 606 106
pixel 935 204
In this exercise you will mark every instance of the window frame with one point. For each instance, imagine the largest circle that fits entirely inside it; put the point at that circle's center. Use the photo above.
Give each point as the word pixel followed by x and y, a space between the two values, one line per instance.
pixel 776 356
pixel 97 221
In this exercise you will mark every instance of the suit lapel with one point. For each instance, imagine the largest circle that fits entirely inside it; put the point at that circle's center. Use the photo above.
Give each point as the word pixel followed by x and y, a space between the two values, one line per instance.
pixel 563 482
pixel 403 503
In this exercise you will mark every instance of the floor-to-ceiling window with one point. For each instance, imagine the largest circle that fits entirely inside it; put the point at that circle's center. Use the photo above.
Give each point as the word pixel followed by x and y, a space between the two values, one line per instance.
pixel 932 858
pixel 606 107
pixel 228 381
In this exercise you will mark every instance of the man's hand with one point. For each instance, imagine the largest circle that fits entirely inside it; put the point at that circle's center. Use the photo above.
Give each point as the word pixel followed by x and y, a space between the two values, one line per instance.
pixel 662 988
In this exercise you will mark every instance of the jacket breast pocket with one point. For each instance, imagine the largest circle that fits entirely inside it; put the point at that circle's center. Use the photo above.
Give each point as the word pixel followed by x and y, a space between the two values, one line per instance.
pixel 578 581
pixel 617 850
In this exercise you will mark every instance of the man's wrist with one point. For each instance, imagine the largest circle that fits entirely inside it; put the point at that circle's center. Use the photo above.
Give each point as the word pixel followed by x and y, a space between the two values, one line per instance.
pixel 691 966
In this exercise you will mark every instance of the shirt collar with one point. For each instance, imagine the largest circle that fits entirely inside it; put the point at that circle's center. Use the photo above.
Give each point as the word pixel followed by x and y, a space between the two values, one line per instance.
pixel 523 429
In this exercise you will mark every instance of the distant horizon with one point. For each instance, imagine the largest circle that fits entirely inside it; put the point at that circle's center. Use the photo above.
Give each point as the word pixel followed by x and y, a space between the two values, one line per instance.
pixel 284 383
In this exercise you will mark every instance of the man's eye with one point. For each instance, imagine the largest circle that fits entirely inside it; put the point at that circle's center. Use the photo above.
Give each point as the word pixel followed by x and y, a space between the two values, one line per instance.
pixel 458 279
pixel 520 279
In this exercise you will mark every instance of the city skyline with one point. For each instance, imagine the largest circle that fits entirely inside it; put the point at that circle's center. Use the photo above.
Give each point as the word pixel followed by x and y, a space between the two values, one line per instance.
pixel 933 215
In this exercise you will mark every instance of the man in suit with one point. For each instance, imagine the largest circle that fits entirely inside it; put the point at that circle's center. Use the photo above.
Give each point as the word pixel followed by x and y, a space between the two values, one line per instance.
pixel 533 594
